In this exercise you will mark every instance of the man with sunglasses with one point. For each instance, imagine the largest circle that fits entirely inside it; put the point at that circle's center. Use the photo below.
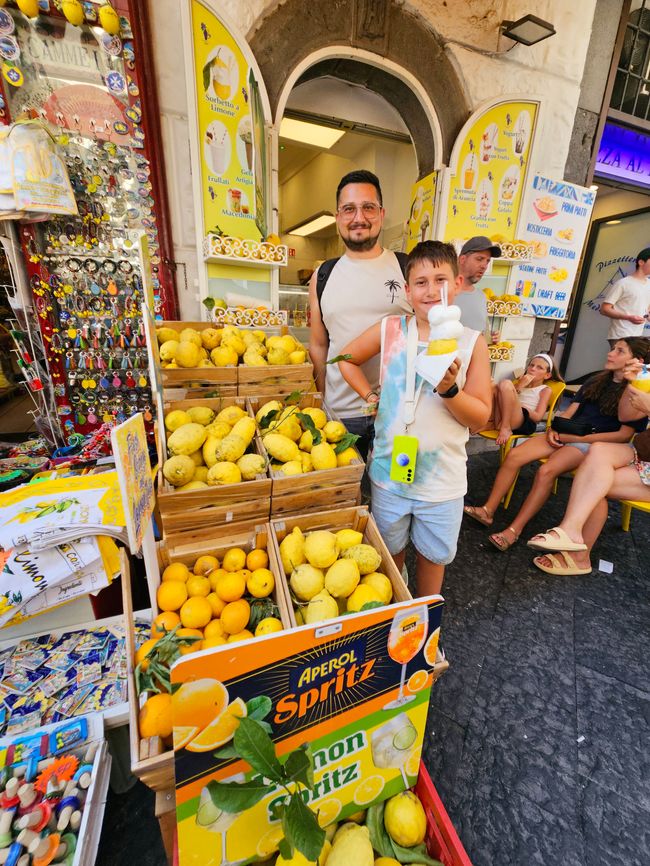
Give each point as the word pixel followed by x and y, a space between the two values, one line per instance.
pixel 361 287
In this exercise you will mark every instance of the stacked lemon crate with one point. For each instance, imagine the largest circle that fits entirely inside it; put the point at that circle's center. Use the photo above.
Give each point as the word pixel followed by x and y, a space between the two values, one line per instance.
pixel 212 370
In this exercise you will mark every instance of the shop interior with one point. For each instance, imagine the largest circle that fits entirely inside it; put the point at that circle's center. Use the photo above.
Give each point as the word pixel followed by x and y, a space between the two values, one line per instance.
pixel 352 127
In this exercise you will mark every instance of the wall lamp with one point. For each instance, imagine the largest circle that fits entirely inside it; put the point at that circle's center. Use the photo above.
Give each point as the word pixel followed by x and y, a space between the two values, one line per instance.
pixel 528 30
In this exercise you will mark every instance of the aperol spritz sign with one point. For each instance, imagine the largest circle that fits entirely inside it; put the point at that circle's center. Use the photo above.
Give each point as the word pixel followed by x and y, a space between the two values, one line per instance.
pixel 355 688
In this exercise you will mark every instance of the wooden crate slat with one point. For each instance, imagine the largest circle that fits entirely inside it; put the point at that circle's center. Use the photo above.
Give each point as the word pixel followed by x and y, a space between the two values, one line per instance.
pixel 341 518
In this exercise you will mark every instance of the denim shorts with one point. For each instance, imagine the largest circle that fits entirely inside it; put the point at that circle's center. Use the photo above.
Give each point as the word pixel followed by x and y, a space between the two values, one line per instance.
pixel 581 446
pixel 432 526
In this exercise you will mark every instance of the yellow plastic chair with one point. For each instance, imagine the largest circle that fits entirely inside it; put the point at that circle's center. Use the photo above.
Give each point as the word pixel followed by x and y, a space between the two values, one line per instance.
pixel 626 511
pixel 556 392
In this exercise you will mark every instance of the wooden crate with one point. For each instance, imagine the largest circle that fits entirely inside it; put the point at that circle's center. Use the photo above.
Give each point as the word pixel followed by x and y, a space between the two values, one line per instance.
pixel 279 379
pixel 151 761
pixel 223 378
pixel 313 491
pixel 358 518
pixel 236 506
pixel 237 380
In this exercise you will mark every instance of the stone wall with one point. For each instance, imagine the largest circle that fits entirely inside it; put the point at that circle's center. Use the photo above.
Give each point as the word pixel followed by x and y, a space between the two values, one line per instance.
pixel 452 47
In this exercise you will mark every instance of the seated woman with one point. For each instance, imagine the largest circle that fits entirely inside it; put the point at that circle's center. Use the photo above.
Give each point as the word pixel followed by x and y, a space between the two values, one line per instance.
pixel 603 404
pixel 612 471
pixel 519 405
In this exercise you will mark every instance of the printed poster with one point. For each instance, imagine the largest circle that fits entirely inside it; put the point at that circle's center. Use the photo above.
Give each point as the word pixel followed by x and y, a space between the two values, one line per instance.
pixel 420 221
pixel 356 688
pixel 129 441
pixel 556 217
pixel 488 172
pixel 231 192
pixel 41 514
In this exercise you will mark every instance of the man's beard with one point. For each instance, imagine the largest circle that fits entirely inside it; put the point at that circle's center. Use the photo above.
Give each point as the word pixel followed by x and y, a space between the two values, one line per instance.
pixel 360 246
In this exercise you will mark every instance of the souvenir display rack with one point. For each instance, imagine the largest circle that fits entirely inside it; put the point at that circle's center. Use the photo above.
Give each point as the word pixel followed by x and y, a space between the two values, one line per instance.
pixel 86 272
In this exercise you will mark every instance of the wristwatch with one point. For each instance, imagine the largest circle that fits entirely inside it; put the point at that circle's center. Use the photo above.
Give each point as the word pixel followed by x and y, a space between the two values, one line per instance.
pixel 450 393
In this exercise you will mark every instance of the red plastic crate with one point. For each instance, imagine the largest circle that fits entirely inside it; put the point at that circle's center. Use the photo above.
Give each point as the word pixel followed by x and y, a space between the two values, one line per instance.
pixel 442 840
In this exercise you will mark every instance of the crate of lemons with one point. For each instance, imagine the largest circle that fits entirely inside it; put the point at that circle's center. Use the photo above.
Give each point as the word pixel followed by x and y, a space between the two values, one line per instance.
pixel 211 449
pixel 205 346
pixel 331 573
pixel 212 604
pixel 301 439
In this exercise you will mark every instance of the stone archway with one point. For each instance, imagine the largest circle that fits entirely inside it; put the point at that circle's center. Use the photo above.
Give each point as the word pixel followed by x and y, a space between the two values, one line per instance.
pixel 283 38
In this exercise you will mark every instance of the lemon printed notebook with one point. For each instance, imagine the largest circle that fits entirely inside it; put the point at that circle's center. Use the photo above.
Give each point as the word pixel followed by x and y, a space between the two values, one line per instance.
pixel 356 688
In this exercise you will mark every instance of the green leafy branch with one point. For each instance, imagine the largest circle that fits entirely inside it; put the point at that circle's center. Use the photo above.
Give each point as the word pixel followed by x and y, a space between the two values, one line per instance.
pixel 253 744
pixel 383 843
pixel 154 676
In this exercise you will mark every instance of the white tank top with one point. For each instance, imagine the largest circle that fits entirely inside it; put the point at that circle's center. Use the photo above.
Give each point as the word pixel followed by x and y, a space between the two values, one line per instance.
pixel 440 468
pixel 529 397
pixel 358 293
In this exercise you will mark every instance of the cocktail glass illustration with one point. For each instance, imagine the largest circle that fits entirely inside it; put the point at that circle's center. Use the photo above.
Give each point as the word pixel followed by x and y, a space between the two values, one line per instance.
pixel 391 744
pixel 211 817
pixel 406 638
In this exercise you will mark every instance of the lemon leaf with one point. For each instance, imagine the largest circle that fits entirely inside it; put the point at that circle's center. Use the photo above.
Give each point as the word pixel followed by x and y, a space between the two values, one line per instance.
pixel 299 767
pixel 379 838
pixel 254 745
pixel 371 605
pixel 238 796
pixel 301 828
pixel 294 397
pixel 338 358
pixel 258 708
pixel 346 442
pixel 308 422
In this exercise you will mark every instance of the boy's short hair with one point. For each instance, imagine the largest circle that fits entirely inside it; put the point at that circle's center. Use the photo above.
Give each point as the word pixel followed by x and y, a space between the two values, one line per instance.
pixel 359 176
pixel 435 252
pixel 643 256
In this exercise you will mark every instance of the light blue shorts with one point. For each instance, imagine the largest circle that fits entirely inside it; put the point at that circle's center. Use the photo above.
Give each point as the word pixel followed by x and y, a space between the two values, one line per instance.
pixel 581 446
pixel 432 526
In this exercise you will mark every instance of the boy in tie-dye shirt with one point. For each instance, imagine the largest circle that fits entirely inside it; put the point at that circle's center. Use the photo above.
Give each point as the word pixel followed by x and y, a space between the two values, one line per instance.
pixel 429 510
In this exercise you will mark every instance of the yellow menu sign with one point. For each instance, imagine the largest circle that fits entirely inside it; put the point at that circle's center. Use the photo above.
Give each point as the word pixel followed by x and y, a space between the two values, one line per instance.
pixel 488 172
pixel 227 131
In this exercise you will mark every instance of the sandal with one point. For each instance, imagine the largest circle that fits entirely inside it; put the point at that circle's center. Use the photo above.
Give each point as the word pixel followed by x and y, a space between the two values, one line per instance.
pixel 569 569
pixel 555 539
pixel 473 511
pixel 504 544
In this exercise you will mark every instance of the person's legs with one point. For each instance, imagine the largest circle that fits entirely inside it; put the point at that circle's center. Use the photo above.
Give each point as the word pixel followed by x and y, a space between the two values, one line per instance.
pixel 535 448
pixel 510 412
pixel 626 485
pixel 563 460
pixel 600 473
pixel 430 575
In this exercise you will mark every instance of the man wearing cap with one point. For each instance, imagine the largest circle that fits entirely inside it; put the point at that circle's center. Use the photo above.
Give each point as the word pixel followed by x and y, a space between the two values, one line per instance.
pixel 627 303
pixel 473 262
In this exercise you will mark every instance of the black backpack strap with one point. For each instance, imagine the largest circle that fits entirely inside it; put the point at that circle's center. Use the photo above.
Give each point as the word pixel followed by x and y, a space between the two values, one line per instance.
pixel 323 276
pixel 402 259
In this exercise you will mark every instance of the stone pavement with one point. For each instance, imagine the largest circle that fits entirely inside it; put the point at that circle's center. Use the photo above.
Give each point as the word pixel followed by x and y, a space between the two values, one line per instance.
pixel 538 735
pixel 540 731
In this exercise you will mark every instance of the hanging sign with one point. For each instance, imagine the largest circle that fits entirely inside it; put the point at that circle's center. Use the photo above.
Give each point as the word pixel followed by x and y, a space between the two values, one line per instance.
pixel 555 216
pixel 232 191
pixel 356 689
pixel 488 171
pixel 420 221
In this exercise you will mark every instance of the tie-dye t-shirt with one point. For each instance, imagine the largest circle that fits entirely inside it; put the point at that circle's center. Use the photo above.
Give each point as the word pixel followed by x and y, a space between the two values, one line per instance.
pixel 440 469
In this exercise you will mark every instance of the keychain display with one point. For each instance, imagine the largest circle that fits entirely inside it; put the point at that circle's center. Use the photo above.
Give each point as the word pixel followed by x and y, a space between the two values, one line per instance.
pixel 85 270
pixel 88 289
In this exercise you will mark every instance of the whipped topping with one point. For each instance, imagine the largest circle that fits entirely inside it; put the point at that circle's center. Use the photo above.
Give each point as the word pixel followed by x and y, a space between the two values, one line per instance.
pixel 445 323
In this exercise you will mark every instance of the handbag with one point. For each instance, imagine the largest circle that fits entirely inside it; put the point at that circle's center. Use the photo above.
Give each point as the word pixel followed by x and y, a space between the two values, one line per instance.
pixel 571 426
pixel 641 444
